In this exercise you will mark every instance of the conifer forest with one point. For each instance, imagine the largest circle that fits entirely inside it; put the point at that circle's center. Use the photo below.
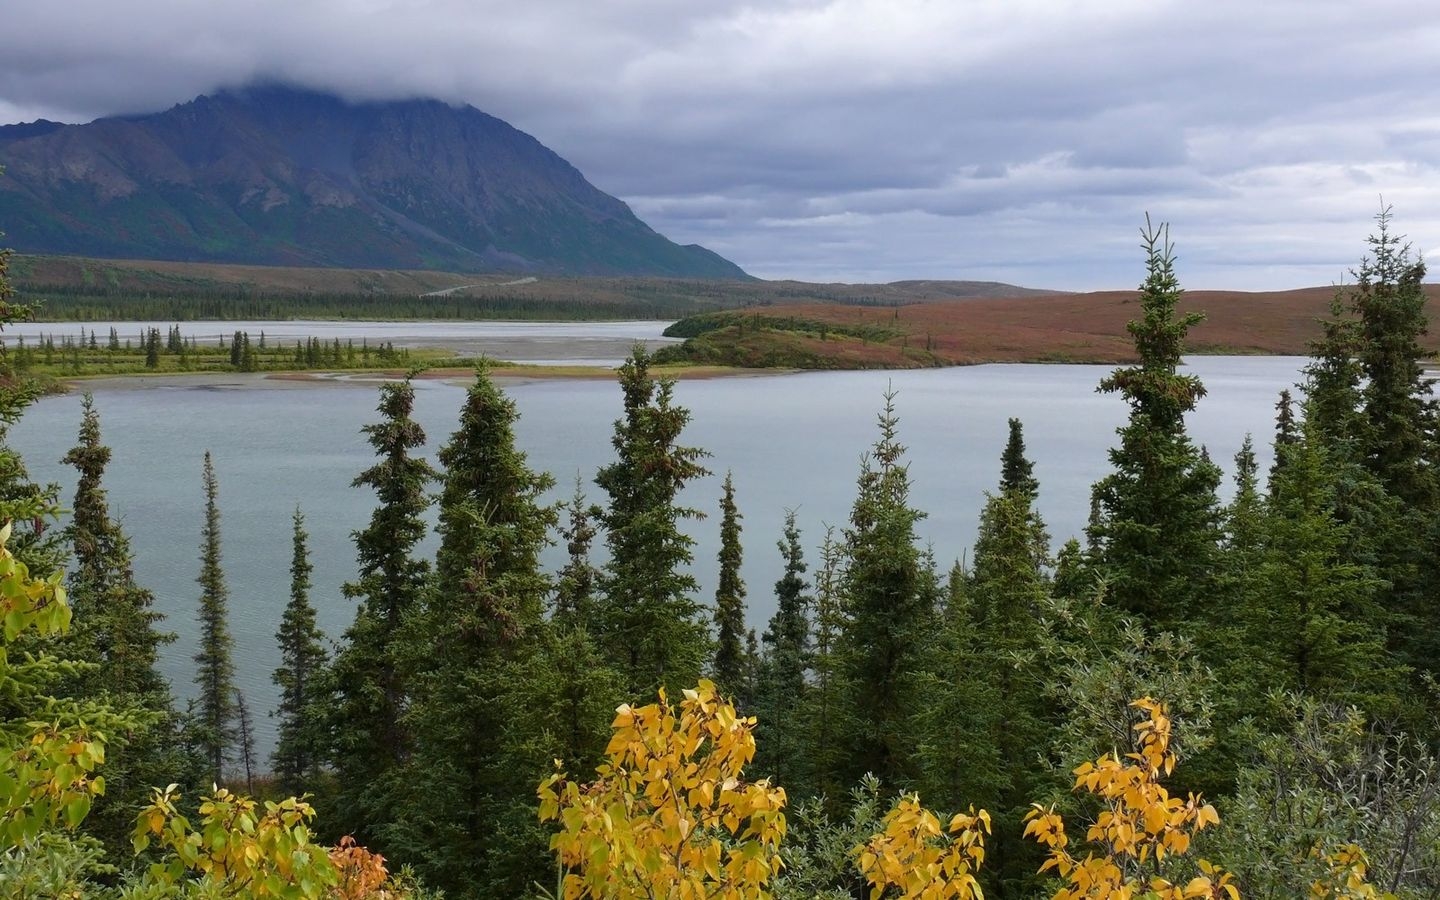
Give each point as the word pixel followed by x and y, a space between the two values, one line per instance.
pixel 1194 699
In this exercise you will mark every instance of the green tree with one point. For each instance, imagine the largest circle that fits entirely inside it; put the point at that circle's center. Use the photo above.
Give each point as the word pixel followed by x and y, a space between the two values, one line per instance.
pixel 1312 618
pixel 574 599
pixel 783 687
pixel 118 633
pixel 889 613
pixel 463 817
pixel 650 623
pixel 1158 515
pixel 214 661
pixel 1389 304
pixel 730 656
pixel 296 758
pixel 365 681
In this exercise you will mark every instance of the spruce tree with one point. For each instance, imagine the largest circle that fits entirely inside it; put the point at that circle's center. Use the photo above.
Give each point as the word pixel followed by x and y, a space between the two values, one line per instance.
pixel 888 611
pixel 296 758
pixel 116 632
pixel 827 717
pixel 245 741
pixel 781 748
pixel 1287 433
pixel 1310 622
pixel 730 599
pixel 367 735
pixel 574 599
pixel 1389 303
pixel 463 813
pixel 215 664
pixel 650 623
pixel 1157 528
pixel 1008 593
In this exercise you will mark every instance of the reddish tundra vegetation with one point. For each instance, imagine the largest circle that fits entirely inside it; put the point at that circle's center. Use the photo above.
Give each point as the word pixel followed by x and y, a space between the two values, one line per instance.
pixel 1051 328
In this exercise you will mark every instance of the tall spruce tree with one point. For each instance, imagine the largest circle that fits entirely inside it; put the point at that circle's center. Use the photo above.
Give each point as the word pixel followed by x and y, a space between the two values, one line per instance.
pixel 214 661
pixel 730 655
pixel 827 719
pixel 116 630
pixel 1401 436
pixel 781 748
pixel 369 697
pixel 1008 592
pixel 1313 616
pixel 464 820
pixel 1389 304
pixel 298 747
pixel 889 612
pixel 118 621
pixel 1158 527
pixel 649 622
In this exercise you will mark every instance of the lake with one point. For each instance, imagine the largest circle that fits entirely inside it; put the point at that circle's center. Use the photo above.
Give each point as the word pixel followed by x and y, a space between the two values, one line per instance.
pixel 792 441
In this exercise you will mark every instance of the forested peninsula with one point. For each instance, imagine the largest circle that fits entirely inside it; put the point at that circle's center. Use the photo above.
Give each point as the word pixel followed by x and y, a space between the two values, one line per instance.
pixel 1196 699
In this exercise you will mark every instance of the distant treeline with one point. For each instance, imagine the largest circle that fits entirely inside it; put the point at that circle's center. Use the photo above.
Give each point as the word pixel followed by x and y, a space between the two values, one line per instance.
pixel 85 303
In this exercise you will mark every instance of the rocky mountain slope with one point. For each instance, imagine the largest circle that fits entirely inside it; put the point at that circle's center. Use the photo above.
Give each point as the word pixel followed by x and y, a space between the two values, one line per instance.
pixel 280 176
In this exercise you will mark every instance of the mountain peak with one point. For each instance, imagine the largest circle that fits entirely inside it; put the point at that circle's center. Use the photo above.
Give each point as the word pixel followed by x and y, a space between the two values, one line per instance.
pixel 273 174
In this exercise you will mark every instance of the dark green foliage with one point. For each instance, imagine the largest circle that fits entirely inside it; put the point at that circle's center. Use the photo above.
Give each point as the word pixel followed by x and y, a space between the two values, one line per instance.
pixel 1313 620
pixel 730 655
pixel 1008 594
pixel 889 612
pixel 367 736
pixel 574 600
pixel 1157 527
pixel 245 741
pixel 649 622
pixel 1389 304
pixel 828 716
pixel 298 748
pixel 782 689
pixel 214 661
pixel 116 629
pixel 478 673
pixel 1287 431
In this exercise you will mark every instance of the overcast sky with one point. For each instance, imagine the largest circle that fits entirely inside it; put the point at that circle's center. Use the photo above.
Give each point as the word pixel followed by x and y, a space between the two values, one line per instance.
pixel 863 140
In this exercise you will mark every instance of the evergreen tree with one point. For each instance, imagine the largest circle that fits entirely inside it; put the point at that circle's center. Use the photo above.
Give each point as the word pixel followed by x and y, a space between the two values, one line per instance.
pixel 730 599
pixel 1287 433
pixel 888 611
pixel 650 623
pixel 369 694
pixel 296 758
pixel 479 745
pixel 1389 304
pixel 1008 593
pixel 828 720
pixel 782 693
pixel 574 598
pixel 116 631
pixel 215 664
pixel 245 741
pixel 1311 620
pixel 1017 472
pixel 1158 525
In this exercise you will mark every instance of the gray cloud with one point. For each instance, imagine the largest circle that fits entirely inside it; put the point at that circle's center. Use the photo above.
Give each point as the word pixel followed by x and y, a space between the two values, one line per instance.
pixel 862 139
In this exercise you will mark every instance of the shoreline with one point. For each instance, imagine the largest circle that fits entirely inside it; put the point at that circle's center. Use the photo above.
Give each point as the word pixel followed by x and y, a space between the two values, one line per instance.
pixel 503 375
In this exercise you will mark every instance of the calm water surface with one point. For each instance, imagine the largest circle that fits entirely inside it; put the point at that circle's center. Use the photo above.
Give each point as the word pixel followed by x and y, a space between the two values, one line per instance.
pixel 792 442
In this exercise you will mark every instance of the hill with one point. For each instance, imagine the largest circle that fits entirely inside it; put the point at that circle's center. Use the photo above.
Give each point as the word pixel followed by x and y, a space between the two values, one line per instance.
pixel 68 287
pixel 1051 328
pixel 279 176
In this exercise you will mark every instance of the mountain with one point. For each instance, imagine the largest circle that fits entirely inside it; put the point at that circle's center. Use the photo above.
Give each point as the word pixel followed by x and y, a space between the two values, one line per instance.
pixel 281 176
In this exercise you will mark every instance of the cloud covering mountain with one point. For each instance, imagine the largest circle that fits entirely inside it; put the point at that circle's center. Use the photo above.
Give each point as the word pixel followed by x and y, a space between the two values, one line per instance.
pixel 864 139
